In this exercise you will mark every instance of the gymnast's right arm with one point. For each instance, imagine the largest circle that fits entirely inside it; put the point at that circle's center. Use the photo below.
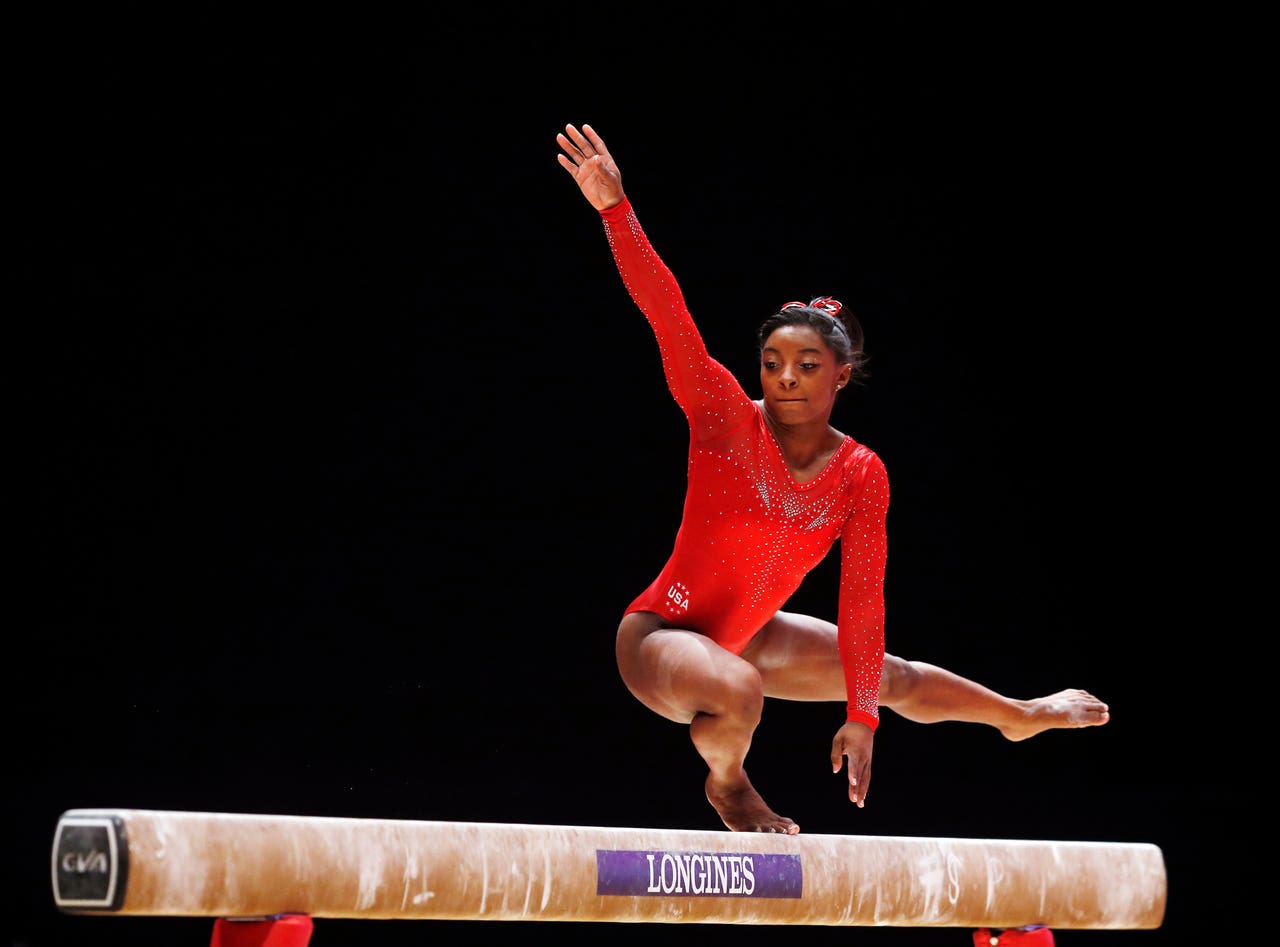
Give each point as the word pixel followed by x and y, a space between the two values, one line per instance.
pixel 711 398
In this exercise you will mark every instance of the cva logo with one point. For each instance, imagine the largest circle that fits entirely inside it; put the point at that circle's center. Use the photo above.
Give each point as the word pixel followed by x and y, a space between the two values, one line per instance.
pixel 83 863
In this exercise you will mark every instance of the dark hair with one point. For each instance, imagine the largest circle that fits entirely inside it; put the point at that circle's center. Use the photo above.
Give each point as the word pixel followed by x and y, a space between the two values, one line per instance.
pixel 839 329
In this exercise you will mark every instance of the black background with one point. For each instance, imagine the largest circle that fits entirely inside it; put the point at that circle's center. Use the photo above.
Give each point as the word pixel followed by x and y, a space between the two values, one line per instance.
pixel 346 447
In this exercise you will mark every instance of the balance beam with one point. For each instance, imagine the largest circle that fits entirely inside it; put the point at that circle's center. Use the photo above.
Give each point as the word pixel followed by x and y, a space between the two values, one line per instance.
pixel 226 865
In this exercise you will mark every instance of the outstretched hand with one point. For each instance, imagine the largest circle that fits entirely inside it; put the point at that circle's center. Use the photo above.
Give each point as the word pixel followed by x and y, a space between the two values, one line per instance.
pixel 854 741
pixel 588 160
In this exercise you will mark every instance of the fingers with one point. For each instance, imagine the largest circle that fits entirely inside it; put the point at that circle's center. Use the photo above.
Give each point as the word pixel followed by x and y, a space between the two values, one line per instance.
pixel 858 785
pixel 573 157
pixel 597 143
pixel 859 767
pixel 838 754
pixel 581 145
pixel 575 143
pixel 856 794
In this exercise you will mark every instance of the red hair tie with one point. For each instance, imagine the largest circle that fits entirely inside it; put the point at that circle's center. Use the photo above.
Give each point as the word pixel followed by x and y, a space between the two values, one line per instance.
pixel 828 305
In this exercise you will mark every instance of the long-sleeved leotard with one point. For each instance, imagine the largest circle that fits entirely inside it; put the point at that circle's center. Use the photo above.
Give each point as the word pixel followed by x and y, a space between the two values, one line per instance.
pixel 750 533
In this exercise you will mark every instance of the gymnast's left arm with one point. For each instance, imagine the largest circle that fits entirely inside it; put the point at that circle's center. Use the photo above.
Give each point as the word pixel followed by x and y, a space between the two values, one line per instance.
pixel 863 551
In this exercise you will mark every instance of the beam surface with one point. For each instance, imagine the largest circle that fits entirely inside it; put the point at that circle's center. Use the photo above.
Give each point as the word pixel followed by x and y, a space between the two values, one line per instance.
pixel 208 864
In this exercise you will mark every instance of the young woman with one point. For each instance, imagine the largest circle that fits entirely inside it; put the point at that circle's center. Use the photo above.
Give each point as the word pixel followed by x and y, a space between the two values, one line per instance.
pixel 771 487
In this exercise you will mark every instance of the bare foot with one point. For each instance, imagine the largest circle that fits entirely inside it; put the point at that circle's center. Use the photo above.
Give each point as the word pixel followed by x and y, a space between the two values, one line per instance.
pixel 1066 709
pixel 743 809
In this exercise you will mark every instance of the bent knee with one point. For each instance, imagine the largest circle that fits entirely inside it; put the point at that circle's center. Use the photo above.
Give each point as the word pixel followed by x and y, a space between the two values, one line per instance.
pixel 736 693
pixel 680 673
pixel 742 683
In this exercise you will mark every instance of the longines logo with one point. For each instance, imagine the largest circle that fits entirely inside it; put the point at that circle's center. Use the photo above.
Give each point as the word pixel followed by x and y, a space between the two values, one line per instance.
pixel 651 874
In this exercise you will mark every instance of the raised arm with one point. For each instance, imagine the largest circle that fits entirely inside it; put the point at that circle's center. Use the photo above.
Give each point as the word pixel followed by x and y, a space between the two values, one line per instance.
pixel 589 161
pixel 707 393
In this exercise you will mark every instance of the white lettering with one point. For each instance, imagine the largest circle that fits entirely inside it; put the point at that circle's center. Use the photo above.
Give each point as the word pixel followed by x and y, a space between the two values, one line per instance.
pixel 80 863
pixel 682 873
pixel 701 873
pixel 719 881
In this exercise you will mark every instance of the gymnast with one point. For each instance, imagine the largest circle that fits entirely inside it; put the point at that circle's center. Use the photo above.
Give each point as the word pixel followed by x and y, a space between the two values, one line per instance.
pixel 771 487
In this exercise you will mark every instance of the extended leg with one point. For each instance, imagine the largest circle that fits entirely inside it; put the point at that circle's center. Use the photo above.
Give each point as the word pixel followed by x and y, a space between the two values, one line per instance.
pixel 927 693
pixel 798 659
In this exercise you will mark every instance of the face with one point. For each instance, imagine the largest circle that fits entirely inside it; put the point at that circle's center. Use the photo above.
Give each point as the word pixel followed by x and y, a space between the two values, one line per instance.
pixel 799 376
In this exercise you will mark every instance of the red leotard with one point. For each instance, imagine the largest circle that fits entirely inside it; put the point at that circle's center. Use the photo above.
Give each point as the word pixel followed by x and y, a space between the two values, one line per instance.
pixel 750 533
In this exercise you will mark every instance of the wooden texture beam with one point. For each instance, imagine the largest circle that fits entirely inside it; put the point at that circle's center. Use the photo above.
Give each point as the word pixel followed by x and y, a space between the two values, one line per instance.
pixel 206 864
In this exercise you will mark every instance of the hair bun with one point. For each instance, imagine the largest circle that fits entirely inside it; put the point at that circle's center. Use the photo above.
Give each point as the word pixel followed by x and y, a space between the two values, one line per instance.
pixel 825 304
pixel 828 305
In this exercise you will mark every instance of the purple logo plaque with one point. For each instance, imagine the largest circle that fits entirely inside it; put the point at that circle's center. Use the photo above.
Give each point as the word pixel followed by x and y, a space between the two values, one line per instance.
pixel 698 874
